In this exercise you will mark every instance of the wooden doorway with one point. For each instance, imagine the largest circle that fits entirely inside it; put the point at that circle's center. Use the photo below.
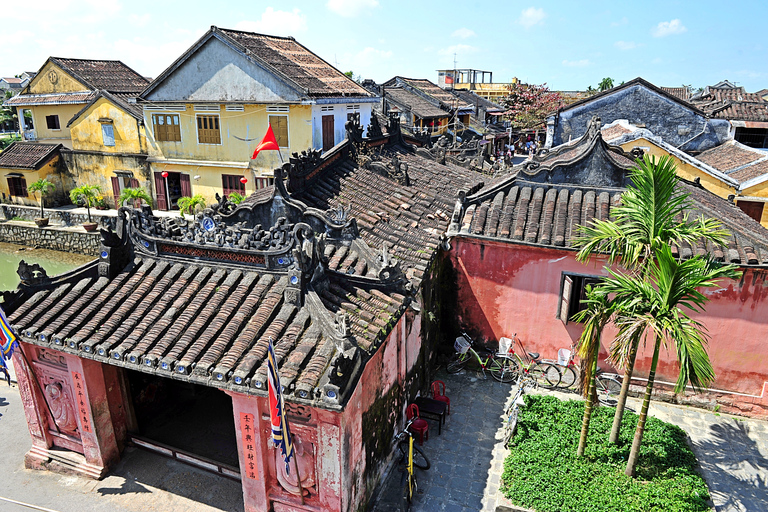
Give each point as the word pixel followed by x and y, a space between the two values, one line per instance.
pixel 752 208
pixel 327 132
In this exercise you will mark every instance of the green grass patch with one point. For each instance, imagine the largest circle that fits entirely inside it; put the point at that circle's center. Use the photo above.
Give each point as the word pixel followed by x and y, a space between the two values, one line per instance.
pixel 542 471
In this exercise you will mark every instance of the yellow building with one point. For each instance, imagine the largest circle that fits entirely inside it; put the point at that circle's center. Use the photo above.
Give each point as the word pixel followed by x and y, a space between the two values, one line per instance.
pixel 208 111
pixel 473 80
pixel 22 164
pixel 88 106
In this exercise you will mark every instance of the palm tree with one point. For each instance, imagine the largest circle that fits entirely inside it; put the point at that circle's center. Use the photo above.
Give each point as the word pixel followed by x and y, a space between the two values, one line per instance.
pixel 43 187
pixel 189 204
pixel 595 317
pixel 236 198
pixel 605 84
pixel 652 214
pixel 85 194
pixel 133 195
pixel 662 296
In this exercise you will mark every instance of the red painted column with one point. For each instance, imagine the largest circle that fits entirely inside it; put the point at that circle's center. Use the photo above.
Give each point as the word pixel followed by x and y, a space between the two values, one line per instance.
pixel 34 410
pixel 93 415
pixel 251 451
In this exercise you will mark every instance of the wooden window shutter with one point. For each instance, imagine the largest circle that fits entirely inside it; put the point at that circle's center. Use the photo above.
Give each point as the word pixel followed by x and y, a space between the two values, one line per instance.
pixel 280 129
pixel 12 186
pixel 162 204
pixel 173 127
pixel 208 130
pixel 116 190
pixel 565 299
pixel 158 120
pixel 108 134
pixel 186 186
pixel 133 183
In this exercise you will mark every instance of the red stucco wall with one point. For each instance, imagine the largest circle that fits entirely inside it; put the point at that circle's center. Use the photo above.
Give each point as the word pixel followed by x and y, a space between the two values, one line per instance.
pixel 509 288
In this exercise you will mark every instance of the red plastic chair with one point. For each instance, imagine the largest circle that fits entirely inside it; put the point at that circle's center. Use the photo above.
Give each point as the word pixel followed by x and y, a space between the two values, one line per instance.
pixel 419 426
pixel 438 393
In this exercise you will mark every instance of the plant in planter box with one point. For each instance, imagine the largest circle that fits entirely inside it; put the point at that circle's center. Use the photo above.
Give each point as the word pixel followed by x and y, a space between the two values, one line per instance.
pixel 42 187
pixel 86 195
pixel 190 204
pixel 134 195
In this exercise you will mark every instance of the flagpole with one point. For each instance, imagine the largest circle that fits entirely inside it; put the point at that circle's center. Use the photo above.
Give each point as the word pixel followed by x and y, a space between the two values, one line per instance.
pixel 296 466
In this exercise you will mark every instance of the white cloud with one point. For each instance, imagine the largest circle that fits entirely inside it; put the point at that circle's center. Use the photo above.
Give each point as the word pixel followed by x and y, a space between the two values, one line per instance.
pixel 351 8
pixel 576 63
pixel 626 45
pixel 276 23
pixel 622 21
pixel 668 28
pixel 463 33
pixel 531 16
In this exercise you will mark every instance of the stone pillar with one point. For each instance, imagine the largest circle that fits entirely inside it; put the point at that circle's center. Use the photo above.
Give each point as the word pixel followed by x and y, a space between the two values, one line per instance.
pixel 22 124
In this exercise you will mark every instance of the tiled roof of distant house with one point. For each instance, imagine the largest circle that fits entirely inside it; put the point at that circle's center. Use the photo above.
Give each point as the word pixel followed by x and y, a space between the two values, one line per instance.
pixel 473 99
pixel 110 75
pixel 683 93
pixel 440 96
pixel 731 155
pixel 295 61
pixel 548 198
pixel 750 172
pixel 614 131
pixel 28 155
pixel 732 103
pixel 405 99
pixel 67 98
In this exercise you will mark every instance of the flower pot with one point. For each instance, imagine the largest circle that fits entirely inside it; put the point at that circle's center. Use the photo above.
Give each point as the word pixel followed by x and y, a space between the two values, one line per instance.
pixel 90 226
pixel 41 222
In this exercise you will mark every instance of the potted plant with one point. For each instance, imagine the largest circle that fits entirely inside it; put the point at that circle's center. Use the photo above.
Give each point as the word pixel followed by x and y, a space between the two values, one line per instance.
pixel 189 204
pixel 43 187
pixel 86 194
pixel 134 195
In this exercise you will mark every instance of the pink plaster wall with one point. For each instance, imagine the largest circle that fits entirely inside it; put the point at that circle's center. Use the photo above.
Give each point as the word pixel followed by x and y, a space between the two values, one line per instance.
pixel 505 289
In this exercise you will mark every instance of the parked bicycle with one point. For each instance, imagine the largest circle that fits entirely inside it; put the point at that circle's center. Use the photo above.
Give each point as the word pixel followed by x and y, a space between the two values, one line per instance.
pixel 524 383
pixel 412 457
pixel 569 370
pixel 608 384
pixel 608 387
pixel 545 374
pixel 499 367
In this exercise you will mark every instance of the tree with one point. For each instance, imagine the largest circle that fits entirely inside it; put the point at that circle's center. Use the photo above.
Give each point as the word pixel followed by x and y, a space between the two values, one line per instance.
pixel 652 215
pixel 189 204
pixel 668 289
pixel 43 187
pixel 605 84
pixel 235 198
pixel 85 194
pixel 133 195
pixel 529 105
pixel 352 76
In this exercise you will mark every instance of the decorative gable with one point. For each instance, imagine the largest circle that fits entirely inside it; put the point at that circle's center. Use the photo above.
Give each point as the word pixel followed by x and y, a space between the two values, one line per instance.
pixel 52 79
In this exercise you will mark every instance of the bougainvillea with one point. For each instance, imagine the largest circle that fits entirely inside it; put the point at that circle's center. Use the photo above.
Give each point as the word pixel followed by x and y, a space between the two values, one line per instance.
pixel 528 105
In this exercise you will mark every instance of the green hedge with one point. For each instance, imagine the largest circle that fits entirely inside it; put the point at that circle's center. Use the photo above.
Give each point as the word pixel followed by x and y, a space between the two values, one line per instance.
pixel 542 471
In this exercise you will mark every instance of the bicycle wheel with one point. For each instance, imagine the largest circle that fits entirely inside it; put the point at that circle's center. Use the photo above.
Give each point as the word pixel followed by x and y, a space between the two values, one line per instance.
pixel 546 375
pixel 608 389
pixel 408 485
pixel 419 459
pixel 503 369
pixel 509 430
pixel 457 363
pixel 568 377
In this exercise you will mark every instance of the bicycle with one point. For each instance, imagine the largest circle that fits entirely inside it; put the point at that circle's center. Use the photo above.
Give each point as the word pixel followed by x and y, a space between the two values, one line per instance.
pixel 501 367
pixel 608 387
pixel 545 374
pixel 512 411
pixel 569 371
pixel 413 457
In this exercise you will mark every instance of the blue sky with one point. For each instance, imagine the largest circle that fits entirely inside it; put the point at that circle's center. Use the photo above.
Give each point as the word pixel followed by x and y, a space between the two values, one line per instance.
pixel 569 45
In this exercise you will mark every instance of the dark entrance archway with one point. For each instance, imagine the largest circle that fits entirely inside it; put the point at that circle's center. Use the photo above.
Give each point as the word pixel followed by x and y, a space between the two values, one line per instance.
pixel 184 418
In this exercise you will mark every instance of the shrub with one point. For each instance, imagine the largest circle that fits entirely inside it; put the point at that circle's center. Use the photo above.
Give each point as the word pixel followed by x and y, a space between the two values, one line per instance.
pixel 542 471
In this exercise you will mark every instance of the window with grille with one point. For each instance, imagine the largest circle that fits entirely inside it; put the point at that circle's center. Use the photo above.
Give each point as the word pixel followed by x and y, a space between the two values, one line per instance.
pixel 280 129
pixel 17 186
pixel 208 130
pixel 108 134
pixel 52 122
pixel 264 182
pixel 166 127
pixel 231 183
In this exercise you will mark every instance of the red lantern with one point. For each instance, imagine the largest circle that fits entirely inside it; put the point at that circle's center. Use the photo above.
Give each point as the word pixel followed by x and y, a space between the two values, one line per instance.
pixel 243 180
pixel 164 174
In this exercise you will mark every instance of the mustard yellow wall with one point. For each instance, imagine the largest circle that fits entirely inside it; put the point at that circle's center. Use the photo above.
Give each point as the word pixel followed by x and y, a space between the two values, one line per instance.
pixel 49 171
pixel 64 82
pixel 86 131
pixel 65 113
pixel 250 124
pixel 99 169
pixel 759 190
pixel 210 182
pixel 684 170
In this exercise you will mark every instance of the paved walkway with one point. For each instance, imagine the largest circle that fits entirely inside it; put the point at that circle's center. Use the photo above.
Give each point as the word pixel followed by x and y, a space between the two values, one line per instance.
pixel 467 460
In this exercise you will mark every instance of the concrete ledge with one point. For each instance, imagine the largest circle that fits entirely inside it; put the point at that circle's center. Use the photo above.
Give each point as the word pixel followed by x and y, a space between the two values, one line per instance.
pixel 62 462
pixel 71 239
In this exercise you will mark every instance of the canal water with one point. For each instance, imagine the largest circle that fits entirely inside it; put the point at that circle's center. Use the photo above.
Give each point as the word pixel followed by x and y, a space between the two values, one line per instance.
pixel 54 262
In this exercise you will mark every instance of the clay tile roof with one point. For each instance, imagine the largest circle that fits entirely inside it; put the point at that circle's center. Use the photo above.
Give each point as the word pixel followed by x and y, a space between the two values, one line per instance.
pixel 418 105
pixel 683 93
pixel 730 155
pixel 297 63
pixel 732 103
pixel 12 80
pixel 614 132
pixel 67 98
pixel 445 98
pixel 750 172
pixel 110 75
pixel 28 155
